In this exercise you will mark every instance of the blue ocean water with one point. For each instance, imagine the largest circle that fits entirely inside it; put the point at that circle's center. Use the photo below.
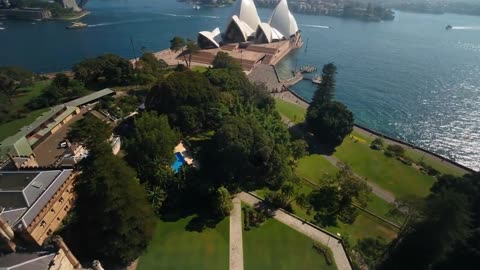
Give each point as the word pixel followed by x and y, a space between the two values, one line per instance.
pixel 409 78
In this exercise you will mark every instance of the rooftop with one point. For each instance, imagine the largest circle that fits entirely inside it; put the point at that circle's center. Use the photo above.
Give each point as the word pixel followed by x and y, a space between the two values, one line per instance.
pixel 26 261
pixel 24 194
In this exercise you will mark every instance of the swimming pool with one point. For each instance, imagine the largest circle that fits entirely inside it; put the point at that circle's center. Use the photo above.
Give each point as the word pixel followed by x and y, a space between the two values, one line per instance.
pixel 179 161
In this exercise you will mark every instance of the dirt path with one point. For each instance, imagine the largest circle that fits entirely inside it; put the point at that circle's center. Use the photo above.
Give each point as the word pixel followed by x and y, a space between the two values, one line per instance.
pixel 236 240
pixel 315 234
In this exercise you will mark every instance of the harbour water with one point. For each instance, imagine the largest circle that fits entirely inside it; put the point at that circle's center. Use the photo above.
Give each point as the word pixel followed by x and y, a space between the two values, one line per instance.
pixel 409 78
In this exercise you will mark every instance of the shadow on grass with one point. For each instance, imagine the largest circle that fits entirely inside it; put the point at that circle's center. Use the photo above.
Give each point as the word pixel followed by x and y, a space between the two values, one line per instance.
pixel 200 223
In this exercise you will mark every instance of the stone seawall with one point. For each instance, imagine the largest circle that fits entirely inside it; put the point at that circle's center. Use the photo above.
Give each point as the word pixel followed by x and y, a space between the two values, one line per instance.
pixel 297 99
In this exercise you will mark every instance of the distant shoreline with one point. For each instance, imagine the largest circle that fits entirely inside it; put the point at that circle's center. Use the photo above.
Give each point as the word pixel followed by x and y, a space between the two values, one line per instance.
pixel 71 18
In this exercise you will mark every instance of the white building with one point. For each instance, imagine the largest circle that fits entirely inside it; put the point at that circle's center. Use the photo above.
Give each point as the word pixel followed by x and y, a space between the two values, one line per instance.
pixel 245 25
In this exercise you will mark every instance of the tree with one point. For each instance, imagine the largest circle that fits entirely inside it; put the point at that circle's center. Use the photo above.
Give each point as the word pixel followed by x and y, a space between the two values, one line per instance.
pixel 61 89
pixel 299 149
pixel 108 69
pixel 114 214
pixel 150 147
pixel 223 202
pixel 334 199
pixel 192 48
pixel 189 101
pixel 177 44
pixel 156 195
pixel 326 89
pixel 90 131
pixel 427 240
pixel 12 79
pixel 149 68
pixel 224 60
pixel 371 249
pixel 247 151
pixel 330 123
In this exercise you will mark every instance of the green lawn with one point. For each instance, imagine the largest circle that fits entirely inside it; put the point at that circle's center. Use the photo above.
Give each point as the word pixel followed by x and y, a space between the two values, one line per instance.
pixel 292 111
pixel 19 103
pixel 199 69
pixel 364 226
pixel 12 127
pixel 172 247
pixel 388 173
pixel 315 168
pixel 29 93
pixel 276 246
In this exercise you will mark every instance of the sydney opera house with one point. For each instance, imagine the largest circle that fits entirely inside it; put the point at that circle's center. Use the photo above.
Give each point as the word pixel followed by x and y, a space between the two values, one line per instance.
pixel 250 40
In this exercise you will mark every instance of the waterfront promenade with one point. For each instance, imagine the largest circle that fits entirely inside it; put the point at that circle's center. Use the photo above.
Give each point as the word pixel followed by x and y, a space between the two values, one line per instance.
pixel 292 97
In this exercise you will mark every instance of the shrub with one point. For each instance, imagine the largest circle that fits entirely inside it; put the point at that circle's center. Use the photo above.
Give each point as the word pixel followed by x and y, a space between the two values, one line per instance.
pixel 395 150
pixel 325 251
pixel 377 144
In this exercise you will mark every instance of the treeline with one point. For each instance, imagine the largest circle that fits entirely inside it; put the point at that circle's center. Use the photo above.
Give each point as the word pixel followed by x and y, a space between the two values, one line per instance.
pixel 338 8
pixel 467 8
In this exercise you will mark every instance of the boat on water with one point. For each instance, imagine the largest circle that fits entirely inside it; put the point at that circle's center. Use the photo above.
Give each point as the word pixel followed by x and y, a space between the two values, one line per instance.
pixel 449 27
pixel 77 25
pixel 196 7
pixel 308 69
pixel 317 80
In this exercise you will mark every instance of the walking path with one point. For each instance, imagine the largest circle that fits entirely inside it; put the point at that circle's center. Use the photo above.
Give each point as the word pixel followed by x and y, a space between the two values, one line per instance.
pixel 376 189
pixel 236 242
pixel 339 255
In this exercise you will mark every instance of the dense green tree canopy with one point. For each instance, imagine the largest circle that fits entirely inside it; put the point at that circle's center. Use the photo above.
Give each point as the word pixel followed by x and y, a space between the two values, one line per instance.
pixel 189 100
pixel 12 79
pixel 246 151
pixel 112 208
pixel 445 233
pixel 333 200
pixel 177 44
pixel 224 60
pixel 108 69
pixel 62 89
pixel 330 121
pixel 90 131
pixel 150 147
pixel 223 202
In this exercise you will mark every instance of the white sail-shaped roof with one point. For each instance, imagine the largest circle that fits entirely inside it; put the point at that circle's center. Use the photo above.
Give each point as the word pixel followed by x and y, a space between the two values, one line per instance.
pixel 213 37
pixel 267 33
pixel 246 11
pixel 243 27
pixel 283 20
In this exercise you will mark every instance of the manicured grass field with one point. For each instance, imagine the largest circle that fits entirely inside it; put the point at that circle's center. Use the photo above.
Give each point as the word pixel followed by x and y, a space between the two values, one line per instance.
pixel 292 111
pixel 18 104
pixel 387 172
pixel 276 246
pixel 315 168
pixel 12 127
pixel 172 247
pixel 199 69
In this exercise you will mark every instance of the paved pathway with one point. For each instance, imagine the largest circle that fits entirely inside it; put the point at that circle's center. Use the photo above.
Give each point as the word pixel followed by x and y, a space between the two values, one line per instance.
pixel 236 242
pixel 339 254
pixel 376 189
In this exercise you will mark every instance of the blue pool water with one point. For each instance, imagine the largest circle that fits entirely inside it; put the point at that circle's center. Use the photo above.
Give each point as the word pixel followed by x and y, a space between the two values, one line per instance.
pixel 179 161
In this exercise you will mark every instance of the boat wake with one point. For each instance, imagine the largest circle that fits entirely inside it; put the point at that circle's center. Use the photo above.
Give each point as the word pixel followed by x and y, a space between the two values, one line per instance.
pixel 189 16
pixel 316 26
pixel 119 22
pixel 466 28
